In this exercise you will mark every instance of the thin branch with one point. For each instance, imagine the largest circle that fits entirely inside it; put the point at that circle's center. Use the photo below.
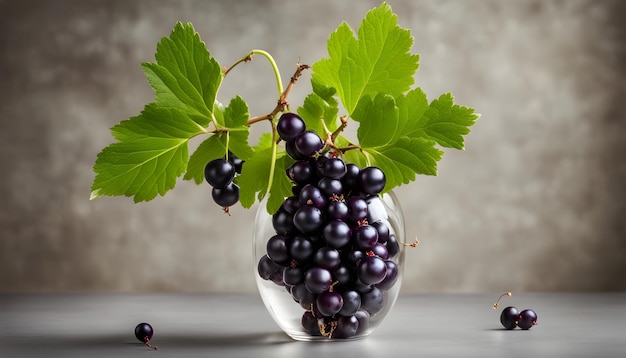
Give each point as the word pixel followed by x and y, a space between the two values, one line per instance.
pixel 246 58
pixel 282 100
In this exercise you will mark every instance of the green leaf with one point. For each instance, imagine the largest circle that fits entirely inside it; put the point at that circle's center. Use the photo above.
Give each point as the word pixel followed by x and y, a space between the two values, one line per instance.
pixel 384 142
pixel 211 148
pixel 320 108
pixel 379 60
pixel 281 185
pixel 442 121
pixel 234 118
pixel 151 154
pixel 185 76
pixel 379 121
pixel 411 108
pixel 255 175
pixel 400 161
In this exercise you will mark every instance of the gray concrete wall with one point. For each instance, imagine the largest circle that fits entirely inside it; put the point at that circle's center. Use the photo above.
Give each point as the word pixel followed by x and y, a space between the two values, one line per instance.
pixel 535 202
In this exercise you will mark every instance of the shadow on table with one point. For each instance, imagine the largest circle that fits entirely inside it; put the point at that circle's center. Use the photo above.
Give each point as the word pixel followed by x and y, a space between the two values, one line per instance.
pixel 111 341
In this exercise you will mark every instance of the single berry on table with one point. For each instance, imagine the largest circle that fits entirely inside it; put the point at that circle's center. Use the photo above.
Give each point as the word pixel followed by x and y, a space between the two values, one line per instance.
pixel 144 333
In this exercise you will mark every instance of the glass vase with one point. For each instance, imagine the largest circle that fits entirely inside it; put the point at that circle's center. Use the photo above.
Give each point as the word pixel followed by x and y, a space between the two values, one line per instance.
pixel 304 310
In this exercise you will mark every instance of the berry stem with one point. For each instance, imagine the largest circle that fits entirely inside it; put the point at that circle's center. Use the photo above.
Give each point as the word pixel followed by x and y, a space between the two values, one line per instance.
pixel 147 341
pixel 344 124
pixel 227 144
pixel 248 57
pixel 413 244
pixel 274 154
pixel 282 99
pixel 495 305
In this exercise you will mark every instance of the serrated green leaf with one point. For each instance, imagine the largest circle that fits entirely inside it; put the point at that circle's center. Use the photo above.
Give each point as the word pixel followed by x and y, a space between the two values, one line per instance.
pixel 155 121
pixel 401 161
pixel 442 121
pixel 378 61
pixel 379 121
pixel 151 154
pixel 233 118
pixel 411 108
pixel 185 76
pixel 211 148
pixel 319 114
pixel 281 185
pixel 236 116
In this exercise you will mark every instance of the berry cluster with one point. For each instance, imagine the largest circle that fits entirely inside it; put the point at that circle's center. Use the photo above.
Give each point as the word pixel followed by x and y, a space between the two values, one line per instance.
pixel 219 173
pixel 511 317
pixel 332 250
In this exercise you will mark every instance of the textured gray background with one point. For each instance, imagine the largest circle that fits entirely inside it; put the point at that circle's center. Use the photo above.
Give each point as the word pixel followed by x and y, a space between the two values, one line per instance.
pixel 535 202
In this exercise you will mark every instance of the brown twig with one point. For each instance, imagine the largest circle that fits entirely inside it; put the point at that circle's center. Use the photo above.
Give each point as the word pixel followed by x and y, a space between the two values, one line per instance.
pixel 243 59
pixel 282 100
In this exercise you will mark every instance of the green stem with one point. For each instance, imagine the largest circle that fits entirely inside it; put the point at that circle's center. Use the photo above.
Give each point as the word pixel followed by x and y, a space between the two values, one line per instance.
pixel 279 85
pixel 227 143
pixel 269 57
pixel 280 106
pixel 248 58
pixel 274 154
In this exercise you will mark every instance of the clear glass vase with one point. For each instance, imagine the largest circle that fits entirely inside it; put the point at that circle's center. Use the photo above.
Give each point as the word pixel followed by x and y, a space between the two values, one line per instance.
pixel 294 308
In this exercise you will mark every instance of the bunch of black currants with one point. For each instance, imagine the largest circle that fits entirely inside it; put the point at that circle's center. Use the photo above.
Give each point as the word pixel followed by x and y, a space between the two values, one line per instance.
pixel 332 250
pixel 511 317
pixel 219 173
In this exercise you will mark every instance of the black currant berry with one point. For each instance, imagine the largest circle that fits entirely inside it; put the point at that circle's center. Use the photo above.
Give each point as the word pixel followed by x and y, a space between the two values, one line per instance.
pixel 289 126
pixel 509 317
pixel 526 319
pixel 144 333
pixel 308 143
pixel 334 168
pixel 371 180
pixel 219 173
pixel 236 161
pixel 227 196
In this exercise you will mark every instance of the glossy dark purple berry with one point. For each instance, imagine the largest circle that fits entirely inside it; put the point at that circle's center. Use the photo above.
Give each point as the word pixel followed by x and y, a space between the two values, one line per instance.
pixel 300 172
pixel 371 180
pixel 328 258
pixel 312 195
pixel 144 332
pixel 329 303
pixel 266 267
pixel 308 143
pixel 336 233
pixel 351 303
pixel 527 318
pixel 391 277
pixel 509 317
pixel 347 326
pixel 371 270
pixel 317 280
pixel 334 168
pixel 309 323
pixel 308 219
pixel 357 208
pixel 227 196
pixel 278 249
pixel 289 126
pixel 219 173
pixel 236 161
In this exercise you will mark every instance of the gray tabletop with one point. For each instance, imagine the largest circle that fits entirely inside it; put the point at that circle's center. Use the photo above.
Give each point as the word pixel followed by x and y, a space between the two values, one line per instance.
pixel 237 325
